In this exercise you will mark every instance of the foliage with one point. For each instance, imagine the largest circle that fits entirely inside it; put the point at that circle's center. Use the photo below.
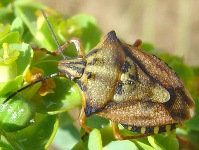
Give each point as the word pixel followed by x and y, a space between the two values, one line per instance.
pixel 32 121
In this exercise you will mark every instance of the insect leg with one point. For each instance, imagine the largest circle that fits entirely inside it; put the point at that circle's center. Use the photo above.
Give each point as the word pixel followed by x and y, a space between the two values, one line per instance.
pixel 82 120
pixel 116 131
pixel 118 136
pixel 45 51
pixel 137 43
pixel 77 44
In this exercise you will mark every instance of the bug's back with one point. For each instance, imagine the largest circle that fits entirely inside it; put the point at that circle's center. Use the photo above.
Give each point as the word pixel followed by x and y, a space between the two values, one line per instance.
pixel 131 87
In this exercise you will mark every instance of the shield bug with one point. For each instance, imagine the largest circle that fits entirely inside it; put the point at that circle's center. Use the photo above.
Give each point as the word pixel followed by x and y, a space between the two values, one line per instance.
pixel 125 85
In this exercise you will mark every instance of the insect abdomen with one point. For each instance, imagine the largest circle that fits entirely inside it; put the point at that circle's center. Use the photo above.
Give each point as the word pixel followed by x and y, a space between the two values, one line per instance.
pixel 152 129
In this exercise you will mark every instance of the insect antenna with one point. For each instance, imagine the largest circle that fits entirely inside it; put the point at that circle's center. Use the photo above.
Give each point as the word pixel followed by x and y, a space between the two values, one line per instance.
pixel 53 34
pixel 27 86
pixel 46 77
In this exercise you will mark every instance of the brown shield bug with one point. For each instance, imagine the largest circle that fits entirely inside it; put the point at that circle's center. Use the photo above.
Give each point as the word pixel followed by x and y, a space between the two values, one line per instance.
pixel 126 85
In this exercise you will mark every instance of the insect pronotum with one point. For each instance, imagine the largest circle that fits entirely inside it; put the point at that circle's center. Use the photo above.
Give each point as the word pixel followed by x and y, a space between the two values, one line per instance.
pixel 126 85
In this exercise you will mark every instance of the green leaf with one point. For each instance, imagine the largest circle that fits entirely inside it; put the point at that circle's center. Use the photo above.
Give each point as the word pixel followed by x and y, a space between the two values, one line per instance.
pixel 65 97
pixel 148 47
pixel 23 60
pixel 90 32
pixel 43 35
pixel 12 73
pixel 95 141
pixel 90 142
pixel 96 122
pixel 8 56
pixel 15 114
pixel 30 92
pixel 26 10
pixel 25 57
pixel 48 66
pixel 10 85
pixel 38 135
pixel 67 131
pixel 7 15
pixel 4 29
pixel 143 145
pixel 17 25
pixel 66 94
pixel 68 29
pixel 12 37
pixel 9 72
pixel 29 12
pixel 164 142
pixel 5 146
pixel 118 145
pixel 5 2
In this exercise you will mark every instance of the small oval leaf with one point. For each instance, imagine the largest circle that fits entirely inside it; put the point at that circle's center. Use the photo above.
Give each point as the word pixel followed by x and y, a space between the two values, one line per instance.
pixel 16 114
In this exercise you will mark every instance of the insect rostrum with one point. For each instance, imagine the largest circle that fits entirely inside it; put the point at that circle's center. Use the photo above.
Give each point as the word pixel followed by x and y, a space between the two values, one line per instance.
pixel 128 86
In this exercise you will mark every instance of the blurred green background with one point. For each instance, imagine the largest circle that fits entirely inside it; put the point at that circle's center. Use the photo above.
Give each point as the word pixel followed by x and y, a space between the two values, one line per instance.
pixel 170 25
